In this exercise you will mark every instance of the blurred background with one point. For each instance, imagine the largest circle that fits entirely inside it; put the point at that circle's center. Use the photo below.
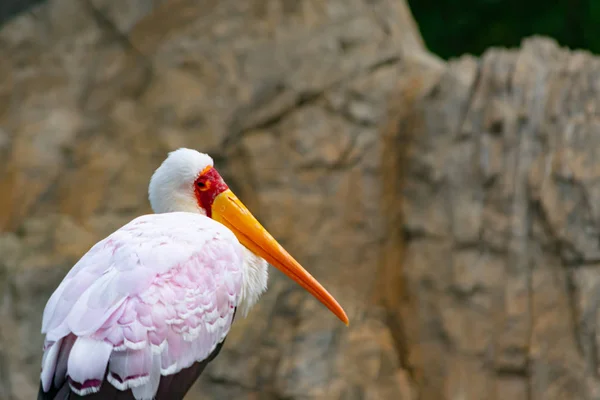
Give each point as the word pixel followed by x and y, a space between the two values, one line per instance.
pixel 433 163
pixel 453 28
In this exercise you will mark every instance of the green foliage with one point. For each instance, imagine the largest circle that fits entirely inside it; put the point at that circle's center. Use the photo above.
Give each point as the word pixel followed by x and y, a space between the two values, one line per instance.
pixel 454 27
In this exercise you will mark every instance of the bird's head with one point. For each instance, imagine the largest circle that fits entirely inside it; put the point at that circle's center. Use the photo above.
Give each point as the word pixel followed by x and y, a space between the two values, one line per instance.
pixel 187 181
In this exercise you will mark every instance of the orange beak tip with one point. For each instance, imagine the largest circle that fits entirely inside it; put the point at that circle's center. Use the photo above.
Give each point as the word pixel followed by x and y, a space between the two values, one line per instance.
pixel 344 317
pixel 231 212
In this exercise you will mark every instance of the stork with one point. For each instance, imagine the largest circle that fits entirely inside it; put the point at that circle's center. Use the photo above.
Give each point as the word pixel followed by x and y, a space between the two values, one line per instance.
pixel 143 312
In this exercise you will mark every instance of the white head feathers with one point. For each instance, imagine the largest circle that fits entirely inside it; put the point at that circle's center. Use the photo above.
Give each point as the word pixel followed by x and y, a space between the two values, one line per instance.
pixel 171 186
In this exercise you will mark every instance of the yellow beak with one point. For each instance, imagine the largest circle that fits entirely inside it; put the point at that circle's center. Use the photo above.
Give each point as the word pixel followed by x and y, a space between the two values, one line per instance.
pixel 231 212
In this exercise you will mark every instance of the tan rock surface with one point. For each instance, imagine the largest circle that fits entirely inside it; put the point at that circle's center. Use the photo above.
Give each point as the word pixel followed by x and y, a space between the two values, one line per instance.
pixel 493 168
pixel 449 207
pixel 287 96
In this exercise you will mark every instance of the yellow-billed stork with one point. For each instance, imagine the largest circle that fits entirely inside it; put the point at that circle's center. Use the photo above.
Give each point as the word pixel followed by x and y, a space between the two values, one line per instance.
pixel 143 312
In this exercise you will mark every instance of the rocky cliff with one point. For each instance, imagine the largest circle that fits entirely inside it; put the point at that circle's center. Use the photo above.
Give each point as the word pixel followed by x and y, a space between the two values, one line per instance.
pixel 450 207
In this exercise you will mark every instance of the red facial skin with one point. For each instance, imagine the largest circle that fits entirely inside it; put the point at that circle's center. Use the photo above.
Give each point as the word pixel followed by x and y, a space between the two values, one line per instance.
pixel 207 186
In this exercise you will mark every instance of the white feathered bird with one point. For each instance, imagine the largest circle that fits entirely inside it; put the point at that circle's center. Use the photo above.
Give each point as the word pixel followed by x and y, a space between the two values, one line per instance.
pixel 144 310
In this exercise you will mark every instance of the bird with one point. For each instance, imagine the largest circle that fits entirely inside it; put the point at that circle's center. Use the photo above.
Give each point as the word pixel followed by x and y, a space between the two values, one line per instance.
pixel 144 311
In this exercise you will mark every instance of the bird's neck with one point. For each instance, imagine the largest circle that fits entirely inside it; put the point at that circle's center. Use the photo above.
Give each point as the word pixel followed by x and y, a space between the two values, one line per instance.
pixel 254 282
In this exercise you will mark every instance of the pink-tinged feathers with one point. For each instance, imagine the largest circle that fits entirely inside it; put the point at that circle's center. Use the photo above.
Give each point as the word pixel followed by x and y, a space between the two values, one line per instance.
pixel 149 300
pixel 87 364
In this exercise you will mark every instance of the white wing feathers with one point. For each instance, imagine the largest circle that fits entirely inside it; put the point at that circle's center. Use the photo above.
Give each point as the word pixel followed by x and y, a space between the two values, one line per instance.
pixel 151 299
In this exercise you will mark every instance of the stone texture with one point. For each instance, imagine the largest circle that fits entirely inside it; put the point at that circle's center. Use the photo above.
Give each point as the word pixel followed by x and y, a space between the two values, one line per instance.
pixel 288 96
pixel 492 164
pixel 450 207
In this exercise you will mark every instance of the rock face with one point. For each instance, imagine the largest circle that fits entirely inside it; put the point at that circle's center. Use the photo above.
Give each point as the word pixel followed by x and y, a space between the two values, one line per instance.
pixel 493 170
pixel 288 97
pixel 449 207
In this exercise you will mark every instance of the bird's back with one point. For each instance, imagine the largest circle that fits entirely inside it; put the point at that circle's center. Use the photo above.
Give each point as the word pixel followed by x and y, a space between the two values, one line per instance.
pixel 143 311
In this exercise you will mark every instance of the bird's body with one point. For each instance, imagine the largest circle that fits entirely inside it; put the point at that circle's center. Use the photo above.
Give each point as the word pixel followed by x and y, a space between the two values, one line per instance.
pixel 154 297
pixel 144 310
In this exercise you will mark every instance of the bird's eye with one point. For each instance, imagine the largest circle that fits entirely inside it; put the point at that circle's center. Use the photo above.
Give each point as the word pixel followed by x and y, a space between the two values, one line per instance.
pixel 202 185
